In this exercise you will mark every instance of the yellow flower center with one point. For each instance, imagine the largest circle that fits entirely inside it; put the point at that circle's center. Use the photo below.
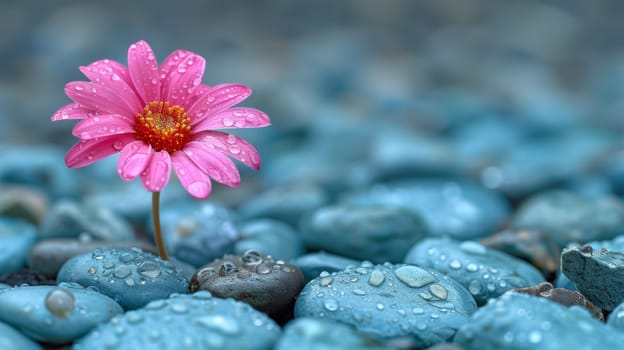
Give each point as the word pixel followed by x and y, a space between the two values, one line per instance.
pixel 163 127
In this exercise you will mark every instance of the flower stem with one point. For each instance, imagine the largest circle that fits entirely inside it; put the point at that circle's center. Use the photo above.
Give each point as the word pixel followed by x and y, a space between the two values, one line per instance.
pixel 157 231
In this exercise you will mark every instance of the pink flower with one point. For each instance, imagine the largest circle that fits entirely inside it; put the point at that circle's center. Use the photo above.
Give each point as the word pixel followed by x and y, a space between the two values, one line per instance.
pixel 159 118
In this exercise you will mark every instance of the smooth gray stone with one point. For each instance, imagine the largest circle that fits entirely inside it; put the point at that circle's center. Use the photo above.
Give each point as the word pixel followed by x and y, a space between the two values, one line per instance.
pixel 598 275
pixel 196 321
pixel 307 333
pixel 570 217
pixel 270 237
pixel 55 314
pixel 69 219
pixel 486 273
pixel 389 301
pixel 24 203
pixel 312 264
pixel 16 239
pixel 517 321
pixel 14 340
pixel 376 233
pixel 47 256
pixel 131 277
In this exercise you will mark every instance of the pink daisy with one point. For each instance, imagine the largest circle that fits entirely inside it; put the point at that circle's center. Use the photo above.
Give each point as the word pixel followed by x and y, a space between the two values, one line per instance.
pixel 160 118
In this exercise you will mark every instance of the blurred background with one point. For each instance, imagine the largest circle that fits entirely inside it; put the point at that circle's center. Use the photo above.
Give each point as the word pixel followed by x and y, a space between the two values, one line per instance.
pixel 518 96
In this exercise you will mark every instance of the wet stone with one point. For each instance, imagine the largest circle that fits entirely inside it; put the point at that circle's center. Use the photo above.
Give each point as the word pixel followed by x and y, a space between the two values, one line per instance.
pixel 13 339
pixel 535 246
pixel 518 321
pixel 55 314
pixel 570 217
pixel 484 272
pixel 197 232
pixel 129 276
pixel 455 208
pixel 312 264
pixel 16 239
pixel 69 219
pixel 390 301
pixel 379 233
pixel 268 285
pixel 47 256
pixel 285 203
pixel 271 237
pixel 197 321
pixel 312 334
pixel 25 277
pixel 598 275
pixel 562 296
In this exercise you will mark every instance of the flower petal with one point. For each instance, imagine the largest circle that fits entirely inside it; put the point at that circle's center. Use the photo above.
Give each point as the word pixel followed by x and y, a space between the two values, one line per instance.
pixel 102 125
pixel 214 163
pixel 114 75
pixel 183 77
pixel 197 93
pixel 72 111
pixel 99 98
pixel 217 99
pixel 133 160
pixel 156 175
pixel 86 152
pixel 194 180
pixel 144 71
pixel 231 145
pixel 238 117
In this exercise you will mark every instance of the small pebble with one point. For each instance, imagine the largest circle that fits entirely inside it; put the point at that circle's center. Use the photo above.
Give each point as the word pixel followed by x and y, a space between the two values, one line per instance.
pixel 16 239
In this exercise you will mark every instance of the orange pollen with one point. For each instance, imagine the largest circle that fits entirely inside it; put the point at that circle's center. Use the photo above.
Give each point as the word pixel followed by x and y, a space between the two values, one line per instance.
pixel 164 127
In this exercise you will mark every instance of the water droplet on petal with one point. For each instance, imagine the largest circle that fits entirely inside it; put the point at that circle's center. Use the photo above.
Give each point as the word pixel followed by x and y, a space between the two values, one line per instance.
pixel 228 122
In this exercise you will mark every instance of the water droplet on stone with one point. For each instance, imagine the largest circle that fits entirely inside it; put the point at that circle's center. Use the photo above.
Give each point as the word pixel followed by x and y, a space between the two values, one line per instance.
pixel 223 324
pixel 179 308
pixel 129 281
pixel 418 310
pixel 263 270
pixel 474 287
pixel 358 291
pixel 252 257
pixel 472 267
pixel 380 306
pixel 325 281
pixel 149 269
pixel 438 291
pixel 156 304
pixel 126 257
pixel 425 295
pixel 376 278
pixel 535 337
pixel 97 255
pixel 133 317
pixel 227 268
pixel 92 270
pixel 60 302
pixel 361 270
pixel 330 305
pixel 472 247
pixel 122 271
pixel 455 264
pixel 414 276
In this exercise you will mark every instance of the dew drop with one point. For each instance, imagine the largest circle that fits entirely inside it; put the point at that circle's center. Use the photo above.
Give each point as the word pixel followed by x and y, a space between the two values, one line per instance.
pixel 252 257
pixel 325 281
pixel 358 291
pixel 179 308
pixel 149 269
pixel 535 337
pixel 414 276
pixel 455 264
pixel 154 81
pixel 438 291
pixel 115 77
pixel 126 257
pixel 133 317
pixel 418 310
pixel 60 302
pixel 79 87
pixel 380 306
pixel 472 248
pixel 330 305
pixel 223 324
pixel 472 267
pixel 376 278
pixel 122 271
pixel 129 281
pixel 263 270
pixel 474 287
pixel 227 268
pixel 92 270
pixel 227 122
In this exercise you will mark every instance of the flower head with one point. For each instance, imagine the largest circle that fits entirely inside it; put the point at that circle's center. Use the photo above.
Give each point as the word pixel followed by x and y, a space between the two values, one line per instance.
pixel 160 117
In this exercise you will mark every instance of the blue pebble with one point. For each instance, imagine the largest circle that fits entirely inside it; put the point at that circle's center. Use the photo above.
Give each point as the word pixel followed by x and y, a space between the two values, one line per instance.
pixel 570 217
pixel 486 273
pixel 41 167
pixel 69 219
pixel 598 275
pixel 14 340
pixel 197 232
pixel 389 301
pixel 456 208
pixel 55 314
pixel 285 203
pixel 378 233
pixel 517 321
pixel 270 237
pixel 131 277
pixel 195 321
pixel 16 239
pixel 312 264
pixel 307 333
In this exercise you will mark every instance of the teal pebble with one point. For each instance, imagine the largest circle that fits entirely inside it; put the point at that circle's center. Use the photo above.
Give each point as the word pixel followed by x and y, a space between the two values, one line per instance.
pixel 16 239
pixel 55 314
pixel 131 277
pixel 14 340
pixel 193 321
